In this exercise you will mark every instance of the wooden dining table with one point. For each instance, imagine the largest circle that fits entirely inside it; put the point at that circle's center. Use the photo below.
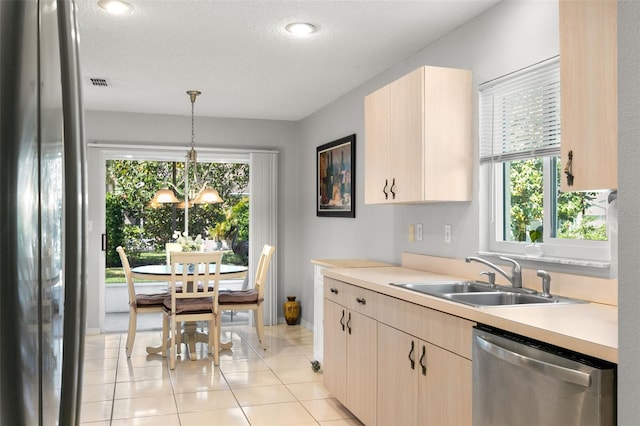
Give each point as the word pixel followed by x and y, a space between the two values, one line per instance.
pixel 163 273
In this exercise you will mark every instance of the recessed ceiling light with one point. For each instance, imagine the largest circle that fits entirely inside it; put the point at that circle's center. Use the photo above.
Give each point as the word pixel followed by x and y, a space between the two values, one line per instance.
pixel 115 7
pixel 300 28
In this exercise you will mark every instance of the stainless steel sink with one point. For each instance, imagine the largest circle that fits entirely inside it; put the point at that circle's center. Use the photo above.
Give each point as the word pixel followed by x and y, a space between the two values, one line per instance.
pixel 499 299
pixel 483 295
pixel 438 288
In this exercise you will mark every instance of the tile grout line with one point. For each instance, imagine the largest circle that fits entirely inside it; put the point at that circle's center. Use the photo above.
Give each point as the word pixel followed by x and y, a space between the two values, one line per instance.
pixel 232 392
pixel 115 379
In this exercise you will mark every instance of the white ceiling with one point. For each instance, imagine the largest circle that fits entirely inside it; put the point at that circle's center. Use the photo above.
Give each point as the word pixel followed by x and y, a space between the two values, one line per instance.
pixel 237 53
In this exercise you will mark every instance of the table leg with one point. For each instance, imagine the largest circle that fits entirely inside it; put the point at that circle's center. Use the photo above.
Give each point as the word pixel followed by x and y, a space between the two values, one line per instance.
pixel 154 349
pixel 191 336
pixel 202 338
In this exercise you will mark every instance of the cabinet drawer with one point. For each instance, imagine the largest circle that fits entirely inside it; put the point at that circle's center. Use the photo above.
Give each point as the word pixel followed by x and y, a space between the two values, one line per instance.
pixel 444 330
pixel 334 290
pixel 361 300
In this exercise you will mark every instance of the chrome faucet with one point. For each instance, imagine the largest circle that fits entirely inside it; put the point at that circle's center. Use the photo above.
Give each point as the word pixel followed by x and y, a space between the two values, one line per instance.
pixel 516 272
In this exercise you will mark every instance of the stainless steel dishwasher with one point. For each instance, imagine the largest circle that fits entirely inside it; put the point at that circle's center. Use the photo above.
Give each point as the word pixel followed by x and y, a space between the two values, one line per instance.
pixel 518 381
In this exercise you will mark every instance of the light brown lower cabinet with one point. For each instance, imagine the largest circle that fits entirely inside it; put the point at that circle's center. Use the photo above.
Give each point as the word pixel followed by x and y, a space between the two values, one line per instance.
pixel 420 383
pixel 334 371
pixel 350 352
pixel 392 362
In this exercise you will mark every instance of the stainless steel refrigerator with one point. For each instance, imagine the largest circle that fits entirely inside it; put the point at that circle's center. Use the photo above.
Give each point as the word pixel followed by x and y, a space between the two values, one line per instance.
pixel 42 214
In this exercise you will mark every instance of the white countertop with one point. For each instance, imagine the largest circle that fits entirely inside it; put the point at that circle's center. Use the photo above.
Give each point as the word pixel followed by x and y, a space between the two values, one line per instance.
pixel 588 328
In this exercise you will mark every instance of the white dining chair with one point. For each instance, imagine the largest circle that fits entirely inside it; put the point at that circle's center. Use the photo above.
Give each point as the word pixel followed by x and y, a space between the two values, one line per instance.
pixel 193 297
pixel 138 303
pixel 251 299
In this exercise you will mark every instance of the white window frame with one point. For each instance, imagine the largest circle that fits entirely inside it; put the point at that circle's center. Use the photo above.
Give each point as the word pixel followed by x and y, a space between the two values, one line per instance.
pixel 492 192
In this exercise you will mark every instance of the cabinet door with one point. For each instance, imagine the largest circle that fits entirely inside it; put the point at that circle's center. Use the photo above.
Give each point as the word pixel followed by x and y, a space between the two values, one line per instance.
pixel 398 370
pixel 588 79
pixel 335 350
pixel 376 153
pixel 448 149
pixel 406 137
pixel 362 366
pixel 445 391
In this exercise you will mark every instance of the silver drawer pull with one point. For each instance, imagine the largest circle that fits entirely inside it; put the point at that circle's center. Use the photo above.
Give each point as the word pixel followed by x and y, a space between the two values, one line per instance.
pixel 361 300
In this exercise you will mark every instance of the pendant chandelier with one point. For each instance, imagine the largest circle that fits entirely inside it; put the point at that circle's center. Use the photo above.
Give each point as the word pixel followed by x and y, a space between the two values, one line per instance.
pixel 195 192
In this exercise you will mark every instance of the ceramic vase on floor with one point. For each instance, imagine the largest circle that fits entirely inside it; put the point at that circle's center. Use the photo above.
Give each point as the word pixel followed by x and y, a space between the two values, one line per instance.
pixel 291 310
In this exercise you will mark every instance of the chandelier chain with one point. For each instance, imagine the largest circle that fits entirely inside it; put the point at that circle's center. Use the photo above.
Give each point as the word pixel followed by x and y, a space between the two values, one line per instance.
pixel 193 143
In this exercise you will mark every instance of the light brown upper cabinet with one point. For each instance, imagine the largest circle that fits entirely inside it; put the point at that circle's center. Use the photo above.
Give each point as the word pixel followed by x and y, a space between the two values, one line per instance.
pixel 588 80
pixel 418 138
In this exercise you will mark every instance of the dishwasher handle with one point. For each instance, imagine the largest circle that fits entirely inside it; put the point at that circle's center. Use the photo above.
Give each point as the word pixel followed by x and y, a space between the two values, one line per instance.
pixel 561 373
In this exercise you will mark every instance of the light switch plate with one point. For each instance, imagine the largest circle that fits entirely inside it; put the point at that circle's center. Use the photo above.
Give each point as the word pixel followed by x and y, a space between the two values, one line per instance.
pixel 419 232
pixel 447 233
pixel 411 233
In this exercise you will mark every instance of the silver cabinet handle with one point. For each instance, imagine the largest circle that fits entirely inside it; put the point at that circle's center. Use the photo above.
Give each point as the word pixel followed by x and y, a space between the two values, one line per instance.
pixel 542 367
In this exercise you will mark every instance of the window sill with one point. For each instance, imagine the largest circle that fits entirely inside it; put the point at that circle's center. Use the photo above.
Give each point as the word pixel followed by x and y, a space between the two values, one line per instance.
pixel 561 264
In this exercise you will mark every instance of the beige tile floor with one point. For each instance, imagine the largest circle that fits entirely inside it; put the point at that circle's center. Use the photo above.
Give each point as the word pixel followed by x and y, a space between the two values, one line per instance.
pixel 251 386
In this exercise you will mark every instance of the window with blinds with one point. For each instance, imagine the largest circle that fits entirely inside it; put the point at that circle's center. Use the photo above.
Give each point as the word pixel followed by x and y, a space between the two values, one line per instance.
pixel 520 136
pixel 520 114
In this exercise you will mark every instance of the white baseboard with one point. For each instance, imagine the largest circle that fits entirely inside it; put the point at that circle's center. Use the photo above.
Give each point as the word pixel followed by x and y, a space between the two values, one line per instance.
pixel 306 324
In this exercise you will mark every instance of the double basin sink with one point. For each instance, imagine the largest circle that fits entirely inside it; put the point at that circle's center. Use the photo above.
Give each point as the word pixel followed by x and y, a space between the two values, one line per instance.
pixel 483 295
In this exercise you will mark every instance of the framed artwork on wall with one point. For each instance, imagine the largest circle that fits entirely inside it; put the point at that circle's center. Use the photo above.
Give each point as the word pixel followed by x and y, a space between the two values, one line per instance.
pixel 335 178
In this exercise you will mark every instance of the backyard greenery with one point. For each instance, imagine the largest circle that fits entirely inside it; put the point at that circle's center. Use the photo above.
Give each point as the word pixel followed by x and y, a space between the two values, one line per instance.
pixel 143 230
pixel 526 208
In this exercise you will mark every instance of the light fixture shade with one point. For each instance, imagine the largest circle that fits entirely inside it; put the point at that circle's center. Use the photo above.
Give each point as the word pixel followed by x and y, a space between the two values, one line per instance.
pixel 154 204
pixel 165 195
pixel 181 205
pixel 208 196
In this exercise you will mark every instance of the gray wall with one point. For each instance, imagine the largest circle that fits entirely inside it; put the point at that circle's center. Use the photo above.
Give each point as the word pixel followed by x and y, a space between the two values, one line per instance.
pixel 629 211
pixel 508 37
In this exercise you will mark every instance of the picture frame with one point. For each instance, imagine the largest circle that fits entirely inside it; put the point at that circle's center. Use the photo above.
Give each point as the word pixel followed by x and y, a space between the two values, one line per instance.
pixel 336 178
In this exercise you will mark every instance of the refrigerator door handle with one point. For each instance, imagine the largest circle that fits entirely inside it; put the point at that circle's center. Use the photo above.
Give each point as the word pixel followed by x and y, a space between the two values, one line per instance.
pixel 75 216
pixel 561 373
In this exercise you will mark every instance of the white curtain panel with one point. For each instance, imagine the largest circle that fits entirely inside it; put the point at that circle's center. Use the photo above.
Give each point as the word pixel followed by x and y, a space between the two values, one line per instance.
pixel 263 213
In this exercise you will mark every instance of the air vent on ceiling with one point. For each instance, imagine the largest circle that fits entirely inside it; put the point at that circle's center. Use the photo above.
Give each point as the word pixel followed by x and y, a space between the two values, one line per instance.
pixel 99 82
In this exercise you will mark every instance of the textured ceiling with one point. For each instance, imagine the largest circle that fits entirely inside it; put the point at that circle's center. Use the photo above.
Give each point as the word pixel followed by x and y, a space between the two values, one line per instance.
pixel 237 53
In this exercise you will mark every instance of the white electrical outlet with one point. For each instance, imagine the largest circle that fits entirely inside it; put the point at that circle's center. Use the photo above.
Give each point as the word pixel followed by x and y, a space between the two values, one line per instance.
pixel 447 233
pixel 418 232
pixel 411 233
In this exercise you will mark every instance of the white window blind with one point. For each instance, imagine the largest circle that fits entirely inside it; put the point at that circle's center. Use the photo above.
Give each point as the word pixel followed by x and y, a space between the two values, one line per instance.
pixel 520 114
